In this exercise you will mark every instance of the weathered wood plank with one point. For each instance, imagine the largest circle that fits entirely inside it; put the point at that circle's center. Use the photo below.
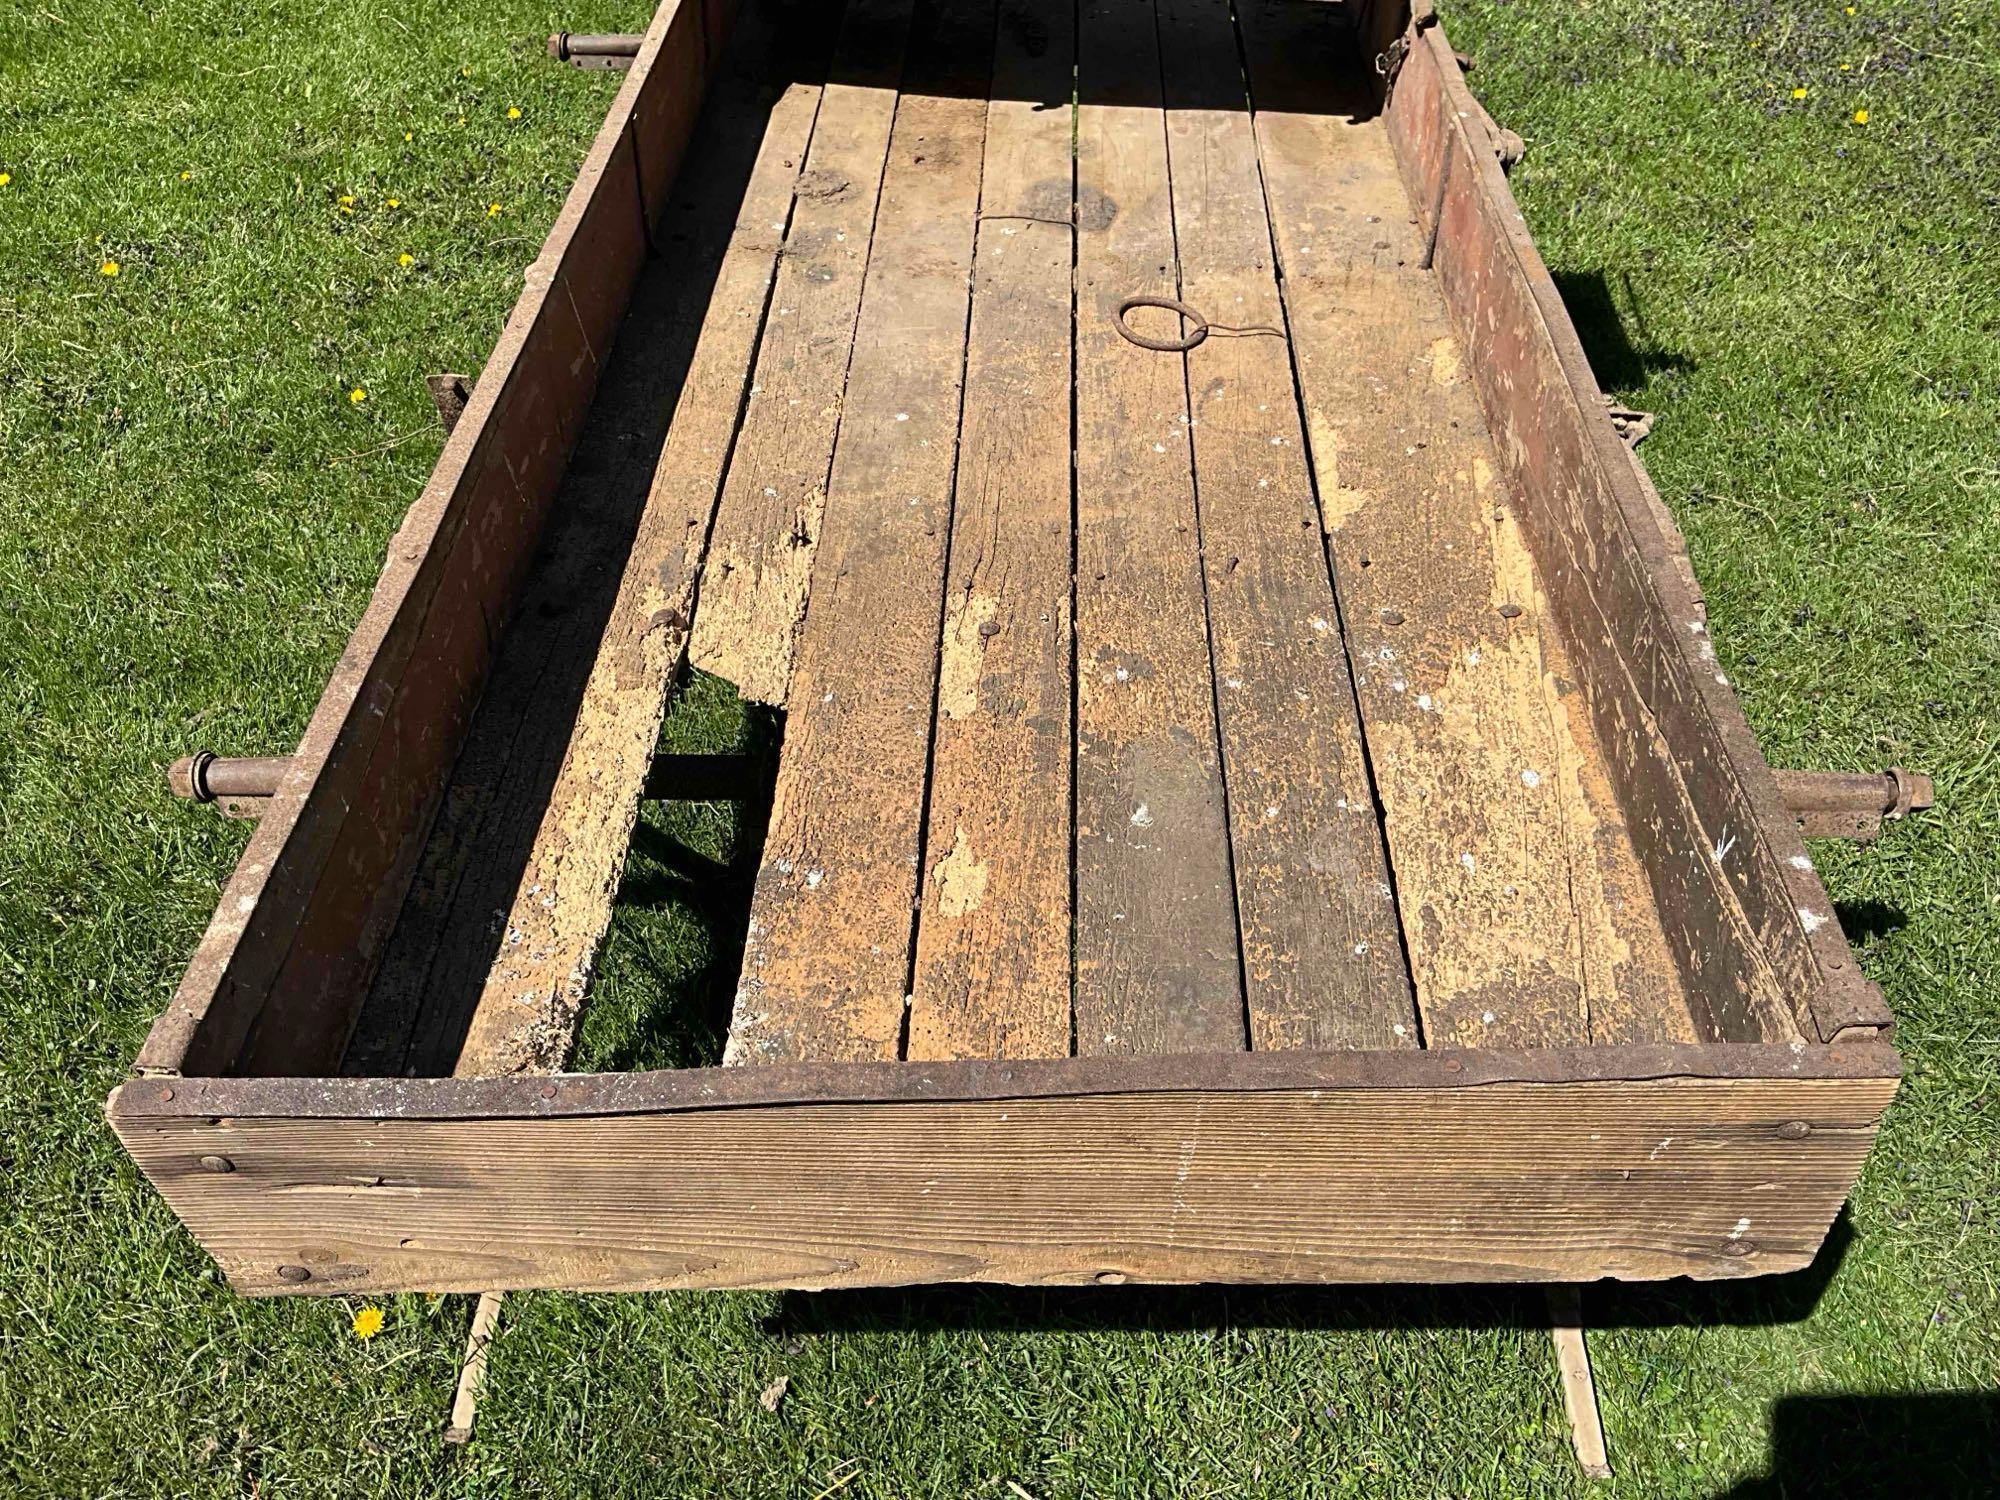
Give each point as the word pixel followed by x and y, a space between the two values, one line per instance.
pixel 396 706
pixel 992 975
pixel 532 997
pixel 1753 937
pixel 753 592
pixel 747 150
pixel 1322 954
pixel 1414 1181
pixel 1523 906
pixel 827 961
pixel 1157 963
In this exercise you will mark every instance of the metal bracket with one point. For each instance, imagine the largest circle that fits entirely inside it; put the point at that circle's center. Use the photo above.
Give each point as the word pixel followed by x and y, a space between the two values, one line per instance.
pixel 1631 424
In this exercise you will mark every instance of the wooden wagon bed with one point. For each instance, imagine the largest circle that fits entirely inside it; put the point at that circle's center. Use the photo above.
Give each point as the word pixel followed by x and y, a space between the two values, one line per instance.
pixel 1268 811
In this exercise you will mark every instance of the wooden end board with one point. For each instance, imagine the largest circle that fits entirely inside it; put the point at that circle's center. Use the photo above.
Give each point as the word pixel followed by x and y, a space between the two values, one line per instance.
pixel 760 564
pixel 389 723
pixel 1321 946
pixel 1158 968
pixel 827 962
pixel 1279 1167
pixel 1523 906
pixel 992 976
pixel 1747 917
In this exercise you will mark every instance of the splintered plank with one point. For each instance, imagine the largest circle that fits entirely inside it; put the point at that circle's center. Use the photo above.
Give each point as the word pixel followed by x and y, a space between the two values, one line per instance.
pixel 993 941
pixel 1157 965
pixel 692 326
pixel 753 592
pixel 1322 956
pixel 828 954
pixel 526 1014
pixel 1523 905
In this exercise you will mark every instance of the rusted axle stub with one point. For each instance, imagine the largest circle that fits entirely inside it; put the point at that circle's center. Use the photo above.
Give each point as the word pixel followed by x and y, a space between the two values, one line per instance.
pixel 1851 804
pixel 584 49
pixel 241 786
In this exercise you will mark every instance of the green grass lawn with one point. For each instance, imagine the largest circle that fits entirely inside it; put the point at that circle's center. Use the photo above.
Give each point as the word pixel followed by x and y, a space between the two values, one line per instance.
pixel 203 455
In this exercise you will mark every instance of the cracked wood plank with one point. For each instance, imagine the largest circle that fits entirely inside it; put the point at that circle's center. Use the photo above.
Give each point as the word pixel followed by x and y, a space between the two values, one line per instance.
pixel 828 954
pixel 1157 963
pixel 1322 953
pixel 533 991
pixel 1525 911
pixel 760 563
pixel 992 974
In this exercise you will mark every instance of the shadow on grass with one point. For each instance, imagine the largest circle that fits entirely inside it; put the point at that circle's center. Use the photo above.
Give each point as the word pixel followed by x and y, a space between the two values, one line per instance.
pixel 1754 1302
pixel 1616 359
pixel 1947 1444
pixel 1867 921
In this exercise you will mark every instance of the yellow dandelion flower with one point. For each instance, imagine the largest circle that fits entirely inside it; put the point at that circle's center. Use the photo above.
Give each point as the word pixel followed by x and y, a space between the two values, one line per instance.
pixel 368 1323
pixel 109 268
pixel 357 396
pixel 409 135
pixel 187 177
pixel 406 259
pixel 493 210
pixel 395 202
pixel 6 179
pixel 1861 117
pixel 466 71
pixel 461 119
pixel 1798 93
pixel 1850 10
pixel 513 112
pixel 1847 67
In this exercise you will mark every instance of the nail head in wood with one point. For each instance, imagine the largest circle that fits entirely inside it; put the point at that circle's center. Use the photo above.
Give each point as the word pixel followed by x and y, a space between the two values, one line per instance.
pixel 218 1164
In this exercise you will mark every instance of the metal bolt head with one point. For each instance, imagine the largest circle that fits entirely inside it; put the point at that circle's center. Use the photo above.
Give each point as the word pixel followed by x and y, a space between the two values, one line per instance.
pixel 294 1273
pixel 1392 617
pixel 217 1164
pixel 1794 1130
pixel 1510 611
pixel 548 1091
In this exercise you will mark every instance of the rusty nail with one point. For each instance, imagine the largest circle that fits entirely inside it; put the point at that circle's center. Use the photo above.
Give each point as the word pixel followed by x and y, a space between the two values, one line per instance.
pixel 1510 611
pixel 548 1091
pixel 218 1164
pixel 989 628
pixel 294 1273
pixel 166 1096
pixel 1392 617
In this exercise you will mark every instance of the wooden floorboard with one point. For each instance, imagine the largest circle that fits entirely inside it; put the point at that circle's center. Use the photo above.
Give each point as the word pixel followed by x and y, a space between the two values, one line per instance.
pixel 753 592
pixel 1322 952
pixel 1157 963
pixel 827 960
pixel 686 342
pixel 1518 892
pixel 992 975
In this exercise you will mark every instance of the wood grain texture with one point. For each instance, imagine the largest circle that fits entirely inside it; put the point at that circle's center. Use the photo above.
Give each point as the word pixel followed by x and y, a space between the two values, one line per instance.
pixel 1157 963
pixel 753 593
pixel 658 439
pixel 1515 878
pixel 1322 953
pixel 992 976
pixel 1701 810
pixel 827 960
pixel 1505 1181
pixel 315 880
pixel 532 999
